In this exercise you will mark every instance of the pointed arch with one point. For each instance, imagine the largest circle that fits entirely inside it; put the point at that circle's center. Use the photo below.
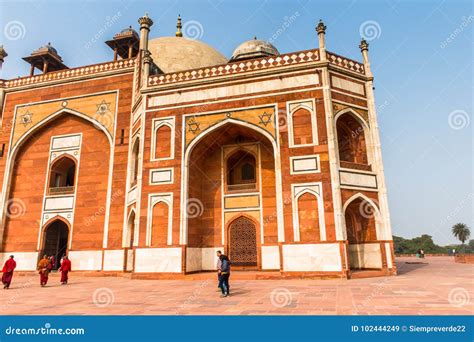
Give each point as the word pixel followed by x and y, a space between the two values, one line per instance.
pixel 187 150
pixel 355 114
pixel 241 170
pixel 364 212
pixel 163 144
pixel 299 190
pixel 302 123
pixel 134 161
pixel 62 174
pixel 17 145
pixel 242 240
pixel 353 138
pixel 54 239
pixel 129 233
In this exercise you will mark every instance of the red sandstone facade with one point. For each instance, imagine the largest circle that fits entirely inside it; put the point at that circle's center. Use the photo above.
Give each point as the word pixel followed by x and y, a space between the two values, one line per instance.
pixel 126 167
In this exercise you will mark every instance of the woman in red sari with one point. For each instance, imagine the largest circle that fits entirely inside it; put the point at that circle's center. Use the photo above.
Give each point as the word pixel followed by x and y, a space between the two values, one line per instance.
pixel 64 269
pixel 44 266
pixel 7 270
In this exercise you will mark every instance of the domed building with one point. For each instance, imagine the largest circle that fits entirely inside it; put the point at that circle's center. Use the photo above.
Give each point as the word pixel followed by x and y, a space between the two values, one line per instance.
pixel 153 161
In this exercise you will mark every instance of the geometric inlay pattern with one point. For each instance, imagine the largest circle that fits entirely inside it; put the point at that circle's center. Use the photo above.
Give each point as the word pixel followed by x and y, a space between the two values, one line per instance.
pixel 243 242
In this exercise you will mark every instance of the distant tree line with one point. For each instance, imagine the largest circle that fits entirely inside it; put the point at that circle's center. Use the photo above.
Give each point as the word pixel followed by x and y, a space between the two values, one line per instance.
pixel 425 242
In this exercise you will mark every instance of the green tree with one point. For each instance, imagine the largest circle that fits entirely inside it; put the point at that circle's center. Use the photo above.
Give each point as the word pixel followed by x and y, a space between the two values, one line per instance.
pixel 461 231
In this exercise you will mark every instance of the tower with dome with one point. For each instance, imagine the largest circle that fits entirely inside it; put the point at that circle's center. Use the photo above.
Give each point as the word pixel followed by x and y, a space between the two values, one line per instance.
pixel 152 162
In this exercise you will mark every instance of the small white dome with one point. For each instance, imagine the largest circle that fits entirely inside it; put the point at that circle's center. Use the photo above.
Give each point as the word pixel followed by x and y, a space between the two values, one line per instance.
pixel 254 48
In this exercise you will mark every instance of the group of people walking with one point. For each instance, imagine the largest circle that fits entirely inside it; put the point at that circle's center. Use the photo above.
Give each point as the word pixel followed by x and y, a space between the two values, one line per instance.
pixel 223 273
pixel 45 266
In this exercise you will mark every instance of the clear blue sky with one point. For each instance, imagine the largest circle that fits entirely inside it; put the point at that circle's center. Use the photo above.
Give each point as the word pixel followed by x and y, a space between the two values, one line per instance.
pixel 423 79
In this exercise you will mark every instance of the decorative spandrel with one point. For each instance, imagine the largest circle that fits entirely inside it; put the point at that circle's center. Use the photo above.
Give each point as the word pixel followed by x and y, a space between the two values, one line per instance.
pixel 100 108
pixel 261 118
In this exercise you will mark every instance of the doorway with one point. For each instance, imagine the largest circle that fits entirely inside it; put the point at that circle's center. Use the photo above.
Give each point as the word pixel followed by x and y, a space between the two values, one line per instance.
pixel 55 241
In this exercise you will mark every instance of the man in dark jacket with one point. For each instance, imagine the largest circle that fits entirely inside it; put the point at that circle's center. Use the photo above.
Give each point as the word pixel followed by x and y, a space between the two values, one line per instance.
pixel 218 267
pixel 224 274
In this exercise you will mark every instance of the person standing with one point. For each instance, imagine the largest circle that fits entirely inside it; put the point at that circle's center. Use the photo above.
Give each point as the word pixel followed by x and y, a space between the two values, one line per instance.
pixel 7 270
pixel 224 275
pixel 51 261
pixel 64 269
pixel 44 267
pixel 218 267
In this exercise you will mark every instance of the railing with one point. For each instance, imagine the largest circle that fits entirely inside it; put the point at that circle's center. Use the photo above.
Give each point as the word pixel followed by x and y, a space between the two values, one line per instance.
pixel 242 187
pixel 69 73
pixel 236 67
pixel 57 190
pixel 345 63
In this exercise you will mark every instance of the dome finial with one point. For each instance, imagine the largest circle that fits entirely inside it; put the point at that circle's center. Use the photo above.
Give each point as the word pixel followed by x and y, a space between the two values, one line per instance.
pixel 178 27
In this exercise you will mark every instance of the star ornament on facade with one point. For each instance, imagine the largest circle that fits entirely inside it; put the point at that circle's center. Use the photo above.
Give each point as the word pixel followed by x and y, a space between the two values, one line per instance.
pixel 265 118
pixel 103 107
pixel 25 119
pixel 193 126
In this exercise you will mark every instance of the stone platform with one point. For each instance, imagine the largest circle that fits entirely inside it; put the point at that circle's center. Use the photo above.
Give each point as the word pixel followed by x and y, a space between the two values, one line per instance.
pixel 433 286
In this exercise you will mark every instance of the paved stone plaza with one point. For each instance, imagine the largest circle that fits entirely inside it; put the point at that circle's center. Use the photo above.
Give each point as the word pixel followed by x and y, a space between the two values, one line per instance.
pixel 437 286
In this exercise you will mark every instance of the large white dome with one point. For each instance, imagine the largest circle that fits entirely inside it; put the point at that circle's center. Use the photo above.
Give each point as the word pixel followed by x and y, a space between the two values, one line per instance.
pixel 173 54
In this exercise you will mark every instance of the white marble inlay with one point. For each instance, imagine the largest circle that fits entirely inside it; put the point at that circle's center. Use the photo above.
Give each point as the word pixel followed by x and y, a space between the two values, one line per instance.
pixel 270 257
pixel 305 164
pixel 358 179
pixel 113 260
pixel 86 260
pixel 234 90
pixel 161 176
pixel 57 203
pixel 342 83
pixel 160 260
pixel 367 255
pixel 25 261
pixel 312 257
pixel 66 142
